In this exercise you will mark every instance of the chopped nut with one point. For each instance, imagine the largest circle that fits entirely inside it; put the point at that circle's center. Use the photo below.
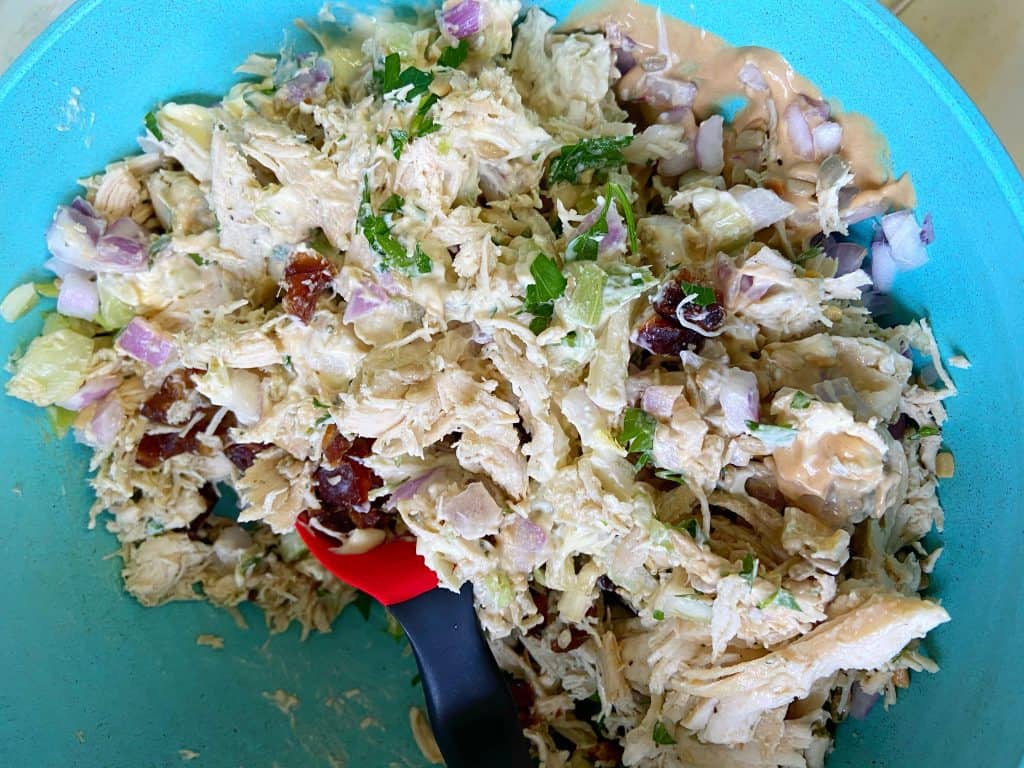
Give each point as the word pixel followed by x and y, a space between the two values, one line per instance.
pixel 945 466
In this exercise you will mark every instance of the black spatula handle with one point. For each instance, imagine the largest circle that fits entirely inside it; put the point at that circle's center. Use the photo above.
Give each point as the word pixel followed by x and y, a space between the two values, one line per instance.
pixel 470 707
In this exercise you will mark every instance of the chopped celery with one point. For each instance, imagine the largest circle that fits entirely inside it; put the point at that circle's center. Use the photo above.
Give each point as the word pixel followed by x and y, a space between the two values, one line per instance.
pixel 18 302
pixel 587 303
pixel 53 368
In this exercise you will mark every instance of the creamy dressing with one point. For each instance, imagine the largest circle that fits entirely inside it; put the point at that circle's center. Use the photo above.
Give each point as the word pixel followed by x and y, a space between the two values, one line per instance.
pixel 698 56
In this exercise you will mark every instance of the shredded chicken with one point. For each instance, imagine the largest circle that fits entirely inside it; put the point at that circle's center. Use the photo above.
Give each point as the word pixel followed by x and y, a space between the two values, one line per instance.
pixel 495 296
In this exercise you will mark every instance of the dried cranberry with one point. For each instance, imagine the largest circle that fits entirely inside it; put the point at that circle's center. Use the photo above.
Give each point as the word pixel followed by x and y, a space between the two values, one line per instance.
pixel 306 277
pixel 173 389
pixel 606 752
pixel 667 299
pixel 195 529
pixel 605 584
pixel 662 337
pixel 524 698
pixel 577 637
pixel 334 446
pixel 243 455
pixel 154 449
pixel 336 519
pixel 710 317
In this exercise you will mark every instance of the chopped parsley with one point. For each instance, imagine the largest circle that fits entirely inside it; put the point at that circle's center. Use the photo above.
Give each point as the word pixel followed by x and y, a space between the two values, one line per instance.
pixel 637 435
pixel 326 416
pixel 585 246
pixel 749 570
pixel 422 123
pixel 393 254
pixel 667 474
pixel 800 400
pixel 772 435
pixel 199 260
pixel 589 154
pixel 392 205
pixel 703 295
pixel 399 139
pixel 453 56
pixel 627 213
pixel 811 253
pixel 691 526
pixel 927 432
pixel 153 126
pixel 286 361
pixel 781 597
pixel 659 615
pixel 661 735
pixel 549 285
pixel 392 78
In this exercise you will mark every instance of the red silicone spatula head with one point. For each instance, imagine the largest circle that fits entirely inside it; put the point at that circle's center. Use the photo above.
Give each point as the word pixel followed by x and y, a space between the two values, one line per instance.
pixel 391 573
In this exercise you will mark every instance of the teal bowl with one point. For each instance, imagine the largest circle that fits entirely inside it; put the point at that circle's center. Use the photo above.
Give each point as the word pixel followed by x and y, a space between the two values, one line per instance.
pixel 91 679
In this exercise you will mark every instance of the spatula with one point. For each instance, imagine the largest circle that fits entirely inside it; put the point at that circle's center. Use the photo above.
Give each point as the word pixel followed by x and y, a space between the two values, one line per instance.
pixel 470 707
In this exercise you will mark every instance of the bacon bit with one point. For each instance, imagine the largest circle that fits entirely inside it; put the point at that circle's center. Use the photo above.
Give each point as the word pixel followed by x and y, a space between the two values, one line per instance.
pixel 334 446
pixel 660 336
pixel 155 449
pixel 243 455
pixel 306 277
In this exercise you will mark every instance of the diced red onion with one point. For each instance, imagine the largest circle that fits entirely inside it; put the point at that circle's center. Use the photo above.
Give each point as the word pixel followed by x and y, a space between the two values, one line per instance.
pixel 123 248
pixel 78 296
pixel 463 19
pixel 927 230
pixel 739 399
pixel 525 543
pixel 91 392
pixel 827 138
pixel 674 116
pixel 146 343
pixel 58 267
pixel 364 300
pixel 883 268
pixel 815 111
pixel 625 55
pixel 903 235
pixel 473 513
pixel 615 238
pixel 899 427
pixel 763 206
pixel 849 257
pixel 677 165
pixel 309 84
pixel 750 75
pixel 710 153
pixel 800 137
pixel 102 429
pixel 74 232
pixel 861 703
pixel 411 487
pixel 877 303
pixel 659 399
pixel 667 93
